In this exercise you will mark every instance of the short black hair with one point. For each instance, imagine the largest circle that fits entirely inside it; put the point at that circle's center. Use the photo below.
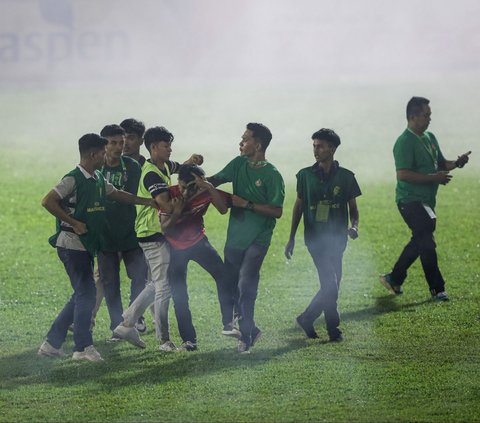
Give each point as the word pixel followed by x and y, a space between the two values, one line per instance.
pixel 261 134
pixel 91 142
pixel 415 106
pixel 157 134
pixel 133 126
pixel 112 130
pixel 185 172
pixel 328 135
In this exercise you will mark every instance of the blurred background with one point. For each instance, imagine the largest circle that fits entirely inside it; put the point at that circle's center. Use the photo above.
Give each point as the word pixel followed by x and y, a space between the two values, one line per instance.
pixel 205 68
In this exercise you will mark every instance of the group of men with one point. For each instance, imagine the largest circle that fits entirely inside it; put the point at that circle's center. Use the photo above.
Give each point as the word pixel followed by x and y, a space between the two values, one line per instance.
pixel 117 205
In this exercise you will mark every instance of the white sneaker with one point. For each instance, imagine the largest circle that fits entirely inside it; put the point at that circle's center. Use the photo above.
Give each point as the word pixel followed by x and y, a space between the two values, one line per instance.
pixel 89 353
pixel 47 350
pixel 243 348
pixel 232 331
pixel 168 346
pixel 129 334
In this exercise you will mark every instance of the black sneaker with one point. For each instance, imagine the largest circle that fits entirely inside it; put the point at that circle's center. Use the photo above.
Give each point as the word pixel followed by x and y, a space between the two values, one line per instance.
pixel 256 335
pixel 386 281
pixel 336 337
pixel 440 296
pixel 307 327
pixel 141 326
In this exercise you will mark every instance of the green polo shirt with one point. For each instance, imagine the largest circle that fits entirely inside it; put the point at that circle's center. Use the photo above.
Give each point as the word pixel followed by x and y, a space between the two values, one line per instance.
pixel 119 232
pixel 260 185
pixel 421 155
pixel 325 204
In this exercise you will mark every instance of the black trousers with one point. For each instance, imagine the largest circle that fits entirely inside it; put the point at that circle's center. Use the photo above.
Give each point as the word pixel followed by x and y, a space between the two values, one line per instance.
pixel 422 244
pixel 329 268
pixel 207 257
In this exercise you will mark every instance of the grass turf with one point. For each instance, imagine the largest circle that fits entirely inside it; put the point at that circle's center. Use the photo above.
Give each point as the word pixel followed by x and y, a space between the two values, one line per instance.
pixel 404 359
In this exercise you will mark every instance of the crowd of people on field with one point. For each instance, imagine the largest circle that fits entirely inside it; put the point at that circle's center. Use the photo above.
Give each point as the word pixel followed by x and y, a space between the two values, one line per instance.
pixel 117 205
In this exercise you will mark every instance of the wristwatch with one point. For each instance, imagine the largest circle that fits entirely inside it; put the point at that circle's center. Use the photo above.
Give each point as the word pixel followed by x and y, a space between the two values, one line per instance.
pixel 249 206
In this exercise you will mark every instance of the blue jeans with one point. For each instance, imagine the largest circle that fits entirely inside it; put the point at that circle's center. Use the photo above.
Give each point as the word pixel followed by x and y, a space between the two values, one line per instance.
pixel 206 256
pixel 78 310
pixel 243 269
pixel 109 271
pixel 329 269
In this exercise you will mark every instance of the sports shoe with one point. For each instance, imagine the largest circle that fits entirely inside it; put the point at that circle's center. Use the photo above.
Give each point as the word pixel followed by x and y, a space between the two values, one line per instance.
pixel 387 282
pixel 338 337
pixel 307 327
pixel 243 347
pixel 114 339
pixel 141 326
pixel 47 350
pixel 232 331
pixel 440 296
pixel 89 353
pixel 168 346
pixel 188 346
pixel 129 334
pixel 256 335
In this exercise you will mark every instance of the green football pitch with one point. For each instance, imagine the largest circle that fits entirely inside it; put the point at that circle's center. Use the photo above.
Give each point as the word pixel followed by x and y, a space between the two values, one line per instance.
pixel 404 359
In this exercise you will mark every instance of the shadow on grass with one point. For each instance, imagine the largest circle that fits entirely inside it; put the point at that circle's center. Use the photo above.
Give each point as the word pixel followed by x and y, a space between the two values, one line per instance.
pixel 383 305
pixel 128 366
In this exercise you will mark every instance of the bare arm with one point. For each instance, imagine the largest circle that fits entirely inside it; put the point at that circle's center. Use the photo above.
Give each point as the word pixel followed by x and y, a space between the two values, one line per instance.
pixel 296 216
pixel 265 209
pixel 354 218
pixel 52 203
pixel 127 198
pixel 217 199
pixel 168 221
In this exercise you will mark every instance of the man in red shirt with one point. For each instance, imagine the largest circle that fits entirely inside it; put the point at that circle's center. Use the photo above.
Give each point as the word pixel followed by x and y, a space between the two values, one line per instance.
pixel 185 231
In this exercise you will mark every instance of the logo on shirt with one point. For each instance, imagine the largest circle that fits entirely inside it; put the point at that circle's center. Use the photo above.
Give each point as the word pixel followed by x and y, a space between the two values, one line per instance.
pixel 336 191
pixel 258 183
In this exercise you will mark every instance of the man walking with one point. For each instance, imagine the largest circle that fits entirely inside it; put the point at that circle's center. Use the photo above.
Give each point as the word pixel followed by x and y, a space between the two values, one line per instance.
pixel 326 197
pixel 257 201
pixel 421 168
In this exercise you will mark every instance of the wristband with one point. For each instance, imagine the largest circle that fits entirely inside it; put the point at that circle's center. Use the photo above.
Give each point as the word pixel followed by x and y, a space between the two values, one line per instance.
pixel 249 206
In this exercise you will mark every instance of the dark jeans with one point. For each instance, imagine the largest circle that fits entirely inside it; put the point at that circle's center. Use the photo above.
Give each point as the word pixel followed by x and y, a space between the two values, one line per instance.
pixel 329 268
pixel 109 271
pixel 207 257
pixel 78 310
pixel 421 244
pixel 243 269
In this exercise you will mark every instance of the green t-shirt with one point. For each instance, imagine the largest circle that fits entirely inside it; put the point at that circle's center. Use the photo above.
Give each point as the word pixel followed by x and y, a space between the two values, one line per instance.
pixel 261 185
pixel 119 232
pixel 325 205
pixel 421 155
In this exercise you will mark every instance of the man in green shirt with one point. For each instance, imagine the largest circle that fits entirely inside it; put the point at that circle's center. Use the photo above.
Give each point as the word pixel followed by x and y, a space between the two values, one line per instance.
pixel 134 130
pixel 257 201
pixel 326 196
pixel 78 203
pixel 119 237
pixel 421 168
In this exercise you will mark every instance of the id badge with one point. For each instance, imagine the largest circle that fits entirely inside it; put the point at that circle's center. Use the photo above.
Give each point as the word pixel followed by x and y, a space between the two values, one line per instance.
pixel 430 212
pixel 323 209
